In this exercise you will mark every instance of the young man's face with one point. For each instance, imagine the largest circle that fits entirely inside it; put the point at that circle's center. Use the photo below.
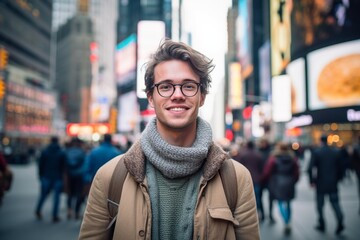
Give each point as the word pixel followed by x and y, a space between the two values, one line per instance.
pixel 177 112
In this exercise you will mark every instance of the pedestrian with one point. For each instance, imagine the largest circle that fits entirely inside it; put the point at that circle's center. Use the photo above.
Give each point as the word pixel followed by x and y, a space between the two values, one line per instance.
pixel 100 155
pixel 173 189
pixel 282 173
pixel 325 171
pixel 346 162
pixel 252 160
pixel 51 170
pixel 6 176
pixel 355 165
pixel 265 150
pixel 75 169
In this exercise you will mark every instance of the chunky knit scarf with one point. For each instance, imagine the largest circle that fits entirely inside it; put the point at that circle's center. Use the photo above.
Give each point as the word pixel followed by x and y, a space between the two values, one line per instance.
pixel 172 161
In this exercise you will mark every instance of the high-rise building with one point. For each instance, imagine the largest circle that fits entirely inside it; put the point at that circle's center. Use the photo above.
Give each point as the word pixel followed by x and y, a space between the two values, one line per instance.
pixel 73 68
pixel 28 107
pixel 103 16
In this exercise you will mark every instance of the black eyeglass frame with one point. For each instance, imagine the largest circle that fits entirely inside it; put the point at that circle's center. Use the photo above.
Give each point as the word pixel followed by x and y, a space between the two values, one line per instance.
pixel 174 85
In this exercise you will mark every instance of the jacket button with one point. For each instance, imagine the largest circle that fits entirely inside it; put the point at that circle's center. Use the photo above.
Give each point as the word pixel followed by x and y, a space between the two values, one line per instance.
pixel 141 233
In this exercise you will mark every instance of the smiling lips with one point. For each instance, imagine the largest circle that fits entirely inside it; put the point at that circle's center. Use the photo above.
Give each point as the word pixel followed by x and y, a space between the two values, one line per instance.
pixel 177 109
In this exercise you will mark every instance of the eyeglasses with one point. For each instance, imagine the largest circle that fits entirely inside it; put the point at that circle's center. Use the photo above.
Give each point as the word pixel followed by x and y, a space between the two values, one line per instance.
pixel 188 89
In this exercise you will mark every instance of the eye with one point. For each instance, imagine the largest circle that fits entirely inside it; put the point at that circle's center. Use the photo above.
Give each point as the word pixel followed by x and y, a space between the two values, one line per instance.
pixel 189 86
pixel 165 87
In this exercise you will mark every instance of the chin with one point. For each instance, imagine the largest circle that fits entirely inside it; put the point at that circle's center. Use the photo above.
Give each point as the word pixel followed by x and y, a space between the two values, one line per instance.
pixel 178 124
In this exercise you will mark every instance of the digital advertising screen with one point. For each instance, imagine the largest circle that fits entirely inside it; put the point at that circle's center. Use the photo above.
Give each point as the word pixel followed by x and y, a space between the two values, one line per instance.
pixel 125 60
pixel 334 76
pixel 296 72
pixel 320 23
pixel 150 35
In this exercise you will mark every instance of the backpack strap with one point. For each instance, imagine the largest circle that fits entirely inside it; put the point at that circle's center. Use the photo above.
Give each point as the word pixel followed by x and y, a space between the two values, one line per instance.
pixel 115 189
pixel 229 181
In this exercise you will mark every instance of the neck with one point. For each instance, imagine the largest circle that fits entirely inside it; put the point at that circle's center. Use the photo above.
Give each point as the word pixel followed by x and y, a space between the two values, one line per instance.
pixel 184 137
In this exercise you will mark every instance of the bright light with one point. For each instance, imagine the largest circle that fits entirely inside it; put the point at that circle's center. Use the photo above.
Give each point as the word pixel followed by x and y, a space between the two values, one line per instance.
pixel 95 137
pixel 281 98
pixel 150 34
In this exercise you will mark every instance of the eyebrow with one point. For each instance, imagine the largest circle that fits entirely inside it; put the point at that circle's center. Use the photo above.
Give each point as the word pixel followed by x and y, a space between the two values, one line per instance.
pixel 183 81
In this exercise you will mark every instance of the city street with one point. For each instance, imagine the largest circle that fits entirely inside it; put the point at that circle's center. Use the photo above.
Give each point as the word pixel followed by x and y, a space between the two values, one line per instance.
pixel 18 220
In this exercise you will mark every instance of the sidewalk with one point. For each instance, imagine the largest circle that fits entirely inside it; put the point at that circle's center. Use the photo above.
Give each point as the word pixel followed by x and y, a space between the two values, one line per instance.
pixel 18 220
pixel 304 216
pixel 17 212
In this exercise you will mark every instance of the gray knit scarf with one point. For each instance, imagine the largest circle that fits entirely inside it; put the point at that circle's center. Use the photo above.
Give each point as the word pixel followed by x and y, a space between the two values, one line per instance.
pixel 173 161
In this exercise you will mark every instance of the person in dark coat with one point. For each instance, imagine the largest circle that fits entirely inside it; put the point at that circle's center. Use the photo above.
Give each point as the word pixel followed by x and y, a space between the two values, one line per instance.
pixel 52 164
pixel 355 165
pixel 75 169
pixel 265 150
pixel 325 171
pixel 282 173
pixel 252 160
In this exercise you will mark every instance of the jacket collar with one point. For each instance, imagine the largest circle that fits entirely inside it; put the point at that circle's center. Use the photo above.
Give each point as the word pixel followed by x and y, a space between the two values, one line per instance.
pixel 135 159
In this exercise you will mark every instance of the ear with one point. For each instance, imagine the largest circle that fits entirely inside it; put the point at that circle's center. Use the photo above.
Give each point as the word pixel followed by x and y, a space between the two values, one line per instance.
pixel 150 100
pixel 202 99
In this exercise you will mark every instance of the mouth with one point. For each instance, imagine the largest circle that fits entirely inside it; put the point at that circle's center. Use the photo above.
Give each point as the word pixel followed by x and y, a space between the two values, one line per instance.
pixel 177 109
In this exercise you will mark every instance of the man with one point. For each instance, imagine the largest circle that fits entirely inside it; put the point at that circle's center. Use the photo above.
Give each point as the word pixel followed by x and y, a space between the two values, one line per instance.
pixel 101 155
pixel 325 171
pixel 52 163
pixel 76 169
pixel 173 189
pixel 265 151
pixel 355 165
pixel 253 161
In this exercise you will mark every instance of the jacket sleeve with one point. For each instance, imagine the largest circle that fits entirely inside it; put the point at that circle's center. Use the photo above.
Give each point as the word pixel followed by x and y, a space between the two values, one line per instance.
pixel 296 170
pixel 245 211
pixel 41 163
pixel 268 169
pixel 96 216
pixel 312 165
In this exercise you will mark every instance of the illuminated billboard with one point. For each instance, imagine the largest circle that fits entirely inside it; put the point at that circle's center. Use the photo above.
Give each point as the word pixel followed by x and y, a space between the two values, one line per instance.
pixel 334 76
pixel 320 23
pixel 244 37
pixel 296 71
pixel 128 112
pixel 236 92
pixel 125 60
pixel 84 130
pixel 150 34
pixel 280 29
pixel 281 98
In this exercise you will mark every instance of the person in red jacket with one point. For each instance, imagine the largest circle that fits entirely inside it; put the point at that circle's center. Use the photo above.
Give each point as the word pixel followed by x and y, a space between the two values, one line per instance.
pixel 282 172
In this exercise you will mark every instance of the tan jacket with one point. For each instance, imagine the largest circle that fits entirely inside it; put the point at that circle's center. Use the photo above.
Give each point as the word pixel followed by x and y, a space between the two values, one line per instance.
pixel 212 218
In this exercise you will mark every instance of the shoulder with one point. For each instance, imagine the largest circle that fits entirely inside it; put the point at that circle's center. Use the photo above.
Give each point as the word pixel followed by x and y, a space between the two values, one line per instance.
pixel 106 171
pixel 109 166
pixel 242 173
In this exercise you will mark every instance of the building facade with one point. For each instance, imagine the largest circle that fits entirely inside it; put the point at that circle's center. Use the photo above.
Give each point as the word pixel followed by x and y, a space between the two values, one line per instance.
pixel 73 67
pixel 28 105
pixel 103 17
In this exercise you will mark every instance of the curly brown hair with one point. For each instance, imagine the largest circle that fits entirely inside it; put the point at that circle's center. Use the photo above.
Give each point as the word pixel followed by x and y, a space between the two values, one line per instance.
pixel 171 50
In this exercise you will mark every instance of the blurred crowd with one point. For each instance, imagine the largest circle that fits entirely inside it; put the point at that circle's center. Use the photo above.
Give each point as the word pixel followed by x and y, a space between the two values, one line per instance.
pixel 274 167
pixel 71 169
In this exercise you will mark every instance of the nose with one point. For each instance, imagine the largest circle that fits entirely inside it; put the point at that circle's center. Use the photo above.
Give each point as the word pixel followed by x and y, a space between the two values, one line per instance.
pixel 177 91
